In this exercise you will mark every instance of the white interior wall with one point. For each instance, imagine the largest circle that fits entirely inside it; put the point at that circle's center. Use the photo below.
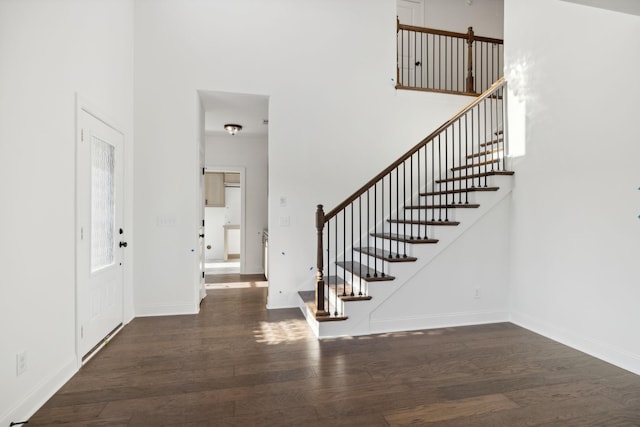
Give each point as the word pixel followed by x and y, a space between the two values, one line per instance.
pixel 575 228
pixel 335 120
pixel 48 53
pixel 444 294
pixel 485 16
pixel 249 153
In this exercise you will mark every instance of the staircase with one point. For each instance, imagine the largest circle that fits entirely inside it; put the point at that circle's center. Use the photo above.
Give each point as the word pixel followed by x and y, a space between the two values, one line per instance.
pixel 387 236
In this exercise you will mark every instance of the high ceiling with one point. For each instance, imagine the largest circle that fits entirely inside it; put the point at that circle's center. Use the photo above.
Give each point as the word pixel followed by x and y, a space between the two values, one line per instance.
pixel 631 7
pixel 249 111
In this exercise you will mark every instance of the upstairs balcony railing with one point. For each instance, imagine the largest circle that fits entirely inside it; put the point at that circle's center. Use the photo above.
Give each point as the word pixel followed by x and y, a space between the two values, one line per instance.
pixel 445 61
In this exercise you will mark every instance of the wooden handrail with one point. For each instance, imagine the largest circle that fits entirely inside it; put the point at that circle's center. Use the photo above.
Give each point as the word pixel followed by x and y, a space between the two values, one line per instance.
pixel 412 151
pixel 448 33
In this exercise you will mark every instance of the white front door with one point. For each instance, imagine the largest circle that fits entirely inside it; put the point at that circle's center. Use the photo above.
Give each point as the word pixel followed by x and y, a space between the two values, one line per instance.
pixel 101 235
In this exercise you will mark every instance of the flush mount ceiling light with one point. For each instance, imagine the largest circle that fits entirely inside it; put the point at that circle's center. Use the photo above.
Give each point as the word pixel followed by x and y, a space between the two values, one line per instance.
pixel 232 129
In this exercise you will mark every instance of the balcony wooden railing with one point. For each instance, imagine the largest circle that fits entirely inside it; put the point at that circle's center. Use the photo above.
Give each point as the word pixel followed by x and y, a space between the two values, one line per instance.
pixel 415 192
pixel 445 61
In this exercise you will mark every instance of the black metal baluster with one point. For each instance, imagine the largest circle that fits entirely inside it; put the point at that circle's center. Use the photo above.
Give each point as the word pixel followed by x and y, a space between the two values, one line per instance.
pixel 361 247
pixel 446 47
pixel 428 61
pixel 328 261
pixel 415 61
pixel 390 212
pixel 336 265
pixel 397 209
pixel 446 175
pixel 344 251
pixel 433 169
pixel 439 173
pixel 352 257
pixel 482 111
pixel 505 145
pixel 493 103
pixel 439 63
pixel 404 212
pixel 411 192
pixel 459 159
pixel 382 222
pixel 473 159
pixel 419 197
pixel 368 231
pixel 375 225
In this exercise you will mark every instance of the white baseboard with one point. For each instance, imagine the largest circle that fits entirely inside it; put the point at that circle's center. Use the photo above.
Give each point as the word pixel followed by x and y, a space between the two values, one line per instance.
pixel 166 310
pixel 39 395
pixel 447 320
pixel 603 351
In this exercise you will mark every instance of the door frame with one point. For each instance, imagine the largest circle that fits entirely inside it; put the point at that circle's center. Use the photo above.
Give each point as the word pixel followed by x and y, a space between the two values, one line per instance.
pixel 243 217
pixel 82 105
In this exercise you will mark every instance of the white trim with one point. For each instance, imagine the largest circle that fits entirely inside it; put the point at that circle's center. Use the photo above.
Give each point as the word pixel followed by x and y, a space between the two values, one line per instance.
pixel 445 320
pixel 39 394
pixel 152 310
pixel 598 349
pixel 83 105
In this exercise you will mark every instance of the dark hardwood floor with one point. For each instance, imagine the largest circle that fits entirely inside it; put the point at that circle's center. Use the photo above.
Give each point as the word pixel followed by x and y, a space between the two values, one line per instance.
pixel 238 364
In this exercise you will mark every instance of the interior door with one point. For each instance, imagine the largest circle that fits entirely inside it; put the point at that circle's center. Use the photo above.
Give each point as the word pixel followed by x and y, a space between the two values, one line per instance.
pixel 409 12
pixel 101 234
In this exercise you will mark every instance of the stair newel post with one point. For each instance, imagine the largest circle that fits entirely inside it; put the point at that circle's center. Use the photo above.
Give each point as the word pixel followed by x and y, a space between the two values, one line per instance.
pixel 320 308
pixel 470 39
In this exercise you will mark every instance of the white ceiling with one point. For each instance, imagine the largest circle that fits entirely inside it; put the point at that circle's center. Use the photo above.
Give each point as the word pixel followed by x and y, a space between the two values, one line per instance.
pixel 631 7
pixel 249 111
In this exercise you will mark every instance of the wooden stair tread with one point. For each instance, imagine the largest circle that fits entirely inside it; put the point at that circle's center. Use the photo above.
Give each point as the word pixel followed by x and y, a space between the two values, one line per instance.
pixel 493 142
pixel 367 274
pixel 404 239
pixel 460 190
pixel 475 175
pixel 424 222
pixel 485 153
pixel 385 255
pixel 475 165
pixel 445 206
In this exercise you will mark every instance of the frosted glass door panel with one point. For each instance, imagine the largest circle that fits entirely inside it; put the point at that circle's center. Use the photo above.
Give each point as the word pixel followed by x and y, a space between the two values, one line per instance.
pixel 102 204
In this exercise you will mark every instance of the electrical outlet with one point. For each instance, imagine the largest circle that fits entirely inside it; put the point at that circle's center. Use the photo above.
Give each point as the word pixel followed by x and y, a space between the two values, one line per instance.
pixel 477 293
pixel 21 363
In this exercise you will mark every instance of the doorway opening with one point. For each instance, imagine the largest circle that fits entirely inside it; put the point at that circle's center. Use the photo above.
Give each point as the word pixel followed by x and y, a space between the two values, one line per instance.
pixel 223 219
pixel 235 208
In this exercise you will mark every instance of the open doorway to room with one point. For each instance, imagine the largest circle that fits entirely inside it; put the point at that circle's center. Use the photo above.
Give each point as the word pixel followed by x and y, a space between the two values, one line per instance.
pixel 223 219
pixel 236 186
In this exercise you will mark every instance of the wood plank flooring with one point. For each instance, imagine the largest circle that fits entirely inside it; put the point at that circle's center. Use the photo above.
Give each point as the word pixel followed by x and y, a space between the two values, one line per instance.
pixel 237 364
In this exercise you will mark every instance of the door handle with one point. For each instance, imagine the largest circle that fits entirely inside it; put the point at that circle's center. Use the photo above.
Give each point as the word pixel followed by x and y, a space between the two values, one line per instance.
pixel 201 235
pixel 123 244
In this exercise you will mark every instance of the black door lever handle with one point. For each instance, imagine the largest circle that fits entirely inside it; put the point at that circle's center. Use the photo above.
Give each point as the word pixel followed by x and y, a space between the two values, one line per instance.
pixel 123 244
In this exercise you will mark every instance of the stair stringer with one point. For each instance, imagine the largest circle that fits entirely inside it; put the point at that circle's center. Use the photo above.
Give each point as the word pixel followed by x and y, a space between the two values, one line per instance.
pixel 359 312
